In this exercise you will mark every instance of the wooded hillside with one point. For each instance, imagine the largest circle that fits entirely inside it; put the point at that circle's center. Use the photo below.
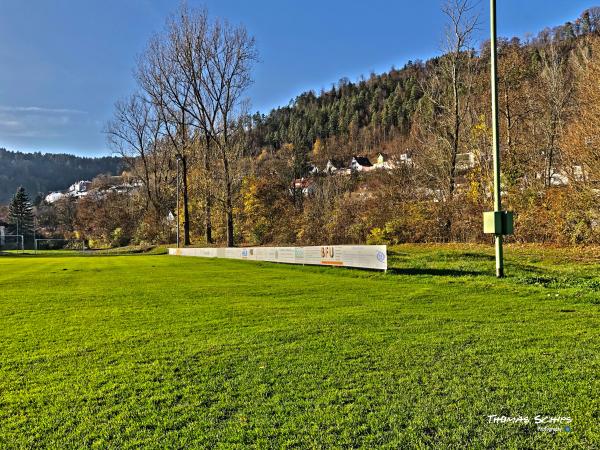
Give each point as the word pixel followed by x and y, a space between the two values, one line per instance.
pixel 39 173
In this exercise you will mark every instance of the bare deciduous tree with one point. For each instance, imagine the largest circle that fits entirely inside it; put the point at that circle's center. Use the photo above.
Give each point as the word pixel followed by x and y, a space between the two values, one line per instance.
pixel 445 105
pixel 582 140
pixel 555 95
pixel 230 55
pixel 196 73
pixel 134 134
pixel 160 77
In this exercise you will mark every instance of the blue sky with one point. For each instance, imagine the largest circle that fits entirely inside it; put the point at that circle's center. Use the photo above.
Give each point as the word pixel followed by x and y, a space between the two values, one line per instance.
pixel 63 63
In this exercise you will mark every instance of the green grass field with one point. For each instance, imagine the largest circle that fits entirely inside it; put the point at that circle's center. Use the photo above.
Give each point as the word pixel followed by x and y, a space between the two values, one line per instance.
pixel 167 352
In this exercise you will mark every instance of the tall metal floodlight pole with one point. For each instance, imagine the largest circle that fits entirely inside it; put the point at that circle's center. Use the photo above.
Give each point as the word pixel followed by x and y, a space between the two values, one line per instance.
pixel 496 149
pixel 496 222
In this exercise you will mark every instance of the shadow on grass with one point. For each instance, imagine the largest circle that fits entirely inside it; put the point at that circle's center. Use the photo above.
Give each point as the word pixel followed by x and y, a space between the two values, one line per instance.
pixel 435 272
pixel 470 255
pixel 31 254
pixel 119 251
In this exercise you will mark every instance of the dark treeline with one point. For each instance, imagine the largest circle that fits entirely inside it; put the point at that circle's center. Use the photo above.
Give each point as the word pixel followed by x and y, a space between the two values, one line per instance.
pixel 39 173
pixel 356 115
pixel 250 179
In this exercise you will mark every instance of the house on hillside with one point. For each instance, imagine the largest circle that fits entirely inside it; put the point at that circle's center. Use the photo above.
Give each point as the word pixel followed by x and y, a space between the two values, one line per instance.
pixel 306 186
pixel 465 161
pixel 559 178
pixel 406 158
pixel 360 164
pixel 79 188
pixel 333 166
pixel 125 188
pixel 53 197
pixel 101 186
pixel 313 169
pixel 357 164
pixel 384 162
pixel 563 178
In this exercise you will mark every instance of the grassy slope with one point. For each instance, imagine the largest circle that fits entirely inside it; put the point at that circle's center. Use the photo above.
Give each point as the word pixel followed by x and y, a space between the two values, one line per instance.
pixel 161 351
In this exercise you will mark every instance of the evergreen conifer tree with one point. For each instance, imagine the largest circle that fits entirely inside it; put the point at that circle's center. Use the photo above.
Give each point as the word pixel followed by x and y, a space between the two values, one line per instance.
pixel 20 213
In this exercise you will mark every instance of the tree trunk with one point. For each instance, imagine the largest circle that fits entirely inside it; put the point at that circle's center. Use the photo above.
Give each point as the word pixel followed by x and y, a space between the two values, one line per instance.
pixel 230 241
pixel 186 212
pixel 228 187
pixel 208 198
pixel 508 116
pixel 454 149
pixel 228 201
pixel 550 155
pixel 456 131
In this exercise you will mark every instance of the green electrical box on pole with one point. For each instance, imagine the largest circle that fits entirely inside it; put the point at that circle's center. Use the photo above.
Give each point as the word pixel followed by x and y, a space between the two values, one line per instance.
pixel 497 222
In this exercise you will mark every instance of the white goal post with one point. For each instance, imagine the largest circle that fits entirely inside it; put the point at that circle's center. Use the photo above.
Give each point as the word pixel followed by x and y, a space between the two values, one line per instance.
pixel 80 244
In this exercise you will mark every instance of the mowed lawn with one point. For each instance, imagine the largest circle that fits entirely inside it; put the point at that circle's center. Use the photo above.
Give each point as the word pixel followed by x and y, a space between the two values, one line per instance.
pixel 171 352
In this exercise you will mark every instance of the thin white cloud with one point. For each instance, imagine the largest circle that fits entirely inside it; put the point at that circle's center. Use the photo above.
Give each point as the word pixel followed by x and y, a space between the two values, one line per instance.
pixel 27 134
pixel 40 110
pixel 29 122
pixel 9 123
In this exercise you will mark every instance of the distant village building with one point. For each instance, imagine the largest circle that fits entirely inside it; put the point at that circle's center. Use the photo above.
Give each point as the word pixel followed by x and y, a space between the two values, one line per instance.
pixel 306 186
pixel 338 167
pixel 332 167
pixel 54 197
pixel 384 162
pixel 559 179
pixel 465 161
pixel 114 184
pixel 124 188
pixel 361 164
pixel 562 177
pixel 405 158
pixel 78 189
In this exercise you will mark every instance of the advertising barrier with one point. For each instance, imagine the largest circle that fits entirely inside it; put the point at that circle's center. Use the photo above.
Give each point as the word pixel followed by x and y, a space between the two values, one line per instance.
pixel 360 256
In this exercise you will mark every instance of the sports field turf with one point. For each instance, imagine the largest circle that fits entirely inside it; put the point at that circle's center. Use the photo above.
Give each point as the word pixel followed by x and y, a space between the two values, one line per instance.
pixel 169 352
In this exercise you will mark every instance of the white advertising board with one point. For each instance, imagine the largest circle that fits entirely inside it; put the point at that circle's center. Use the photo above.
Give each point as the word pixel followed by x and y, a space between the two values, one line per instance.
pixel 361 256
